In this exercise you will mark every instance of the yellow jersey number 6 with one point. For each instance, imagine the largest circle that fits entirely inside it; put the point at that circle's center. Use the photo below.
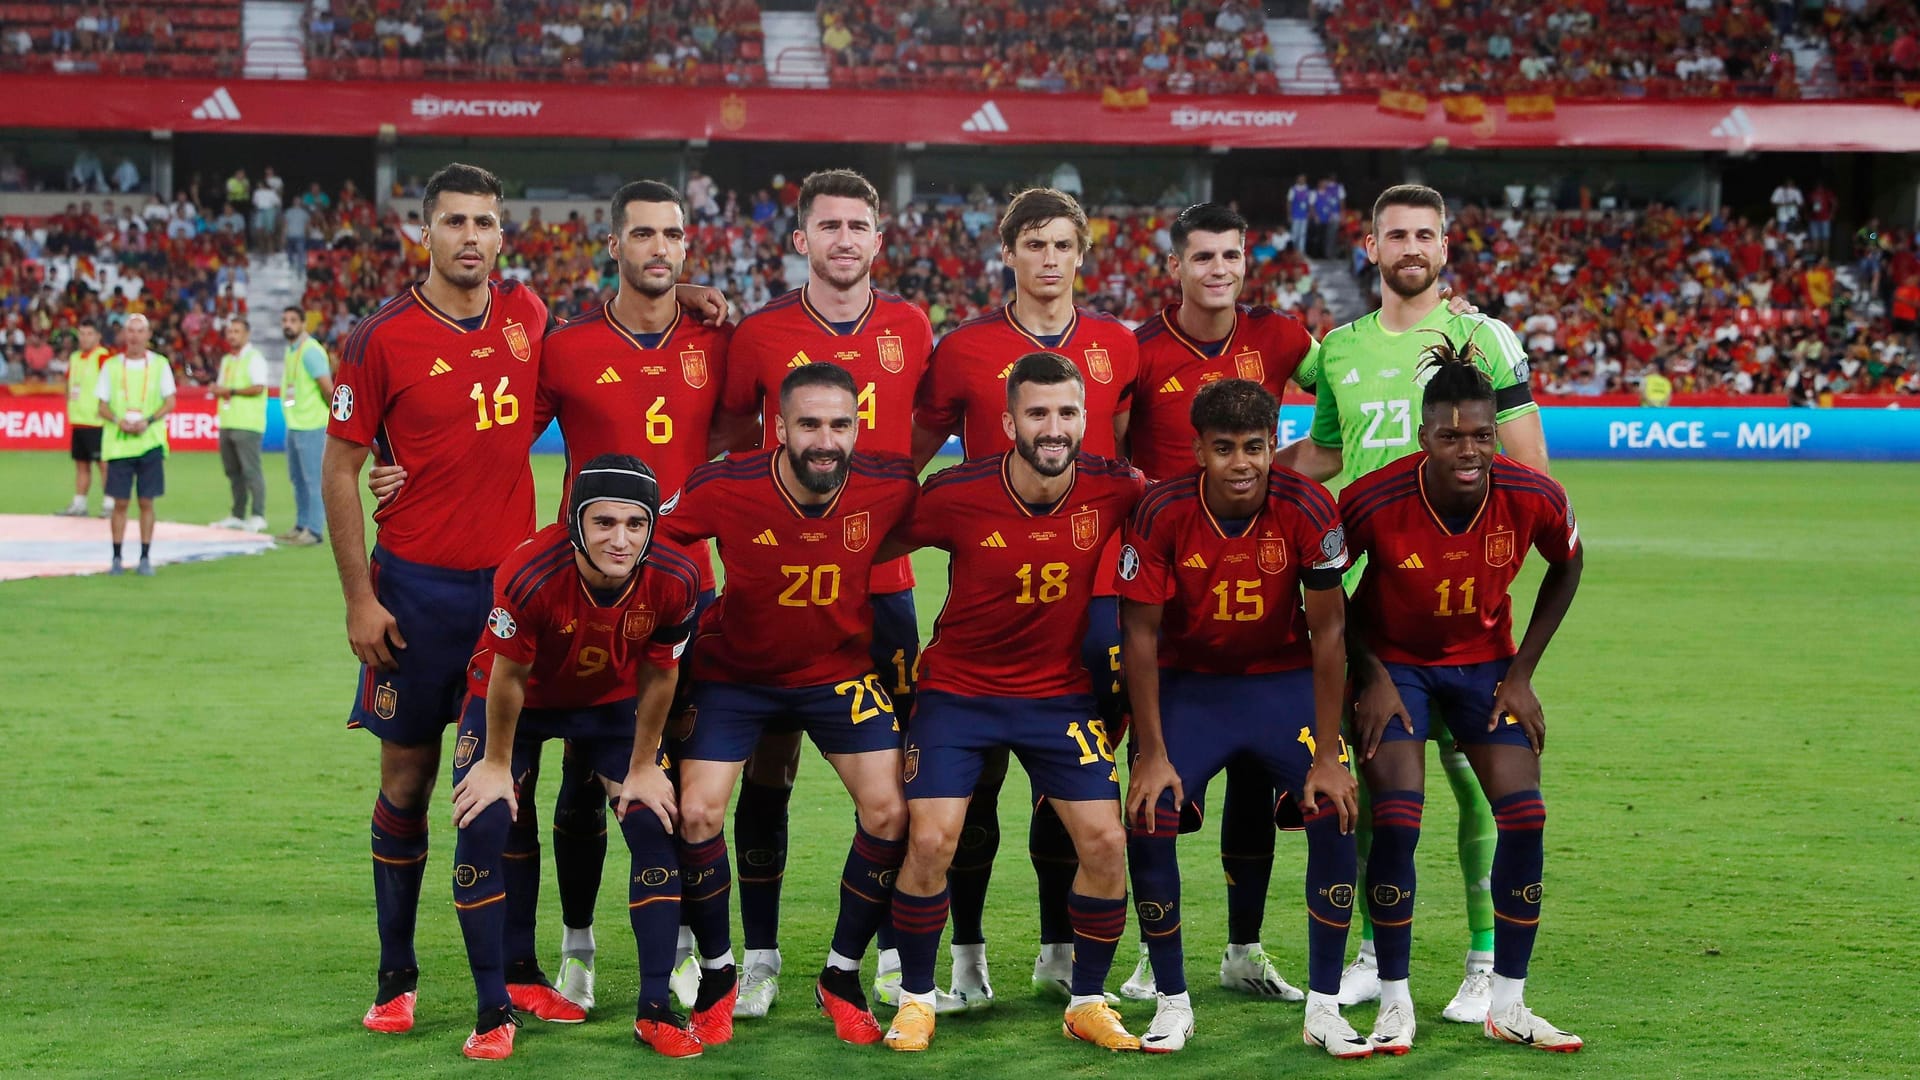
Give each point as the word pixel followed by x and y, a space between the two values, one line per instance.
pixel 858 692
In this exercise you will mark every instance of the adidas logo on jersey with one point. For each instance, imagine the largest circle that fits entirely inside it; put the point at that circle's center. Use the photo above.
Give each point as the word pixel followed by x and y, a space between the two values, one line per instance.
pixel 1172 386
pixel 1005 371
pixel 800 359
pixel 608 376
pixel 1352 379
pixel 994 541
pixel 1194 562
pixel 1412 562
pixel 767 539
pixel 440 367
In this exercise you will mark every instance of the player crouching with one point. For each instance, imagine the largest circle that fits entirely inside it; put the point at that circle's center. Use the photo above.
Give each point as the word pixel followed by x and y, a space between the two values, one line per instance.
pixel 584 613
pixel 1431 627
pixel 1225 665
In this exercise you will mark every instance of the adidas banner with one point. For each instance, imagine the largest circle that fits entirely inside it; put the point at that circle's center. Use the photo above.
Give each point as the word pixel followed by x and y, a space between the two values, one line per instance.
pixel 998 117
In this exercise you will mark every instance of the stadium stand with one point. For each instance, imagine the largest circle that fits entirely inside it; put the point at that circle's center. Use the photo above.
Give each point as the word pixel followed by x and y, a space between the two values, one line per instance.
pixel 174 38
pixel 1728 305
pixel 1624 48
pixel 688 41
pixel 1203 46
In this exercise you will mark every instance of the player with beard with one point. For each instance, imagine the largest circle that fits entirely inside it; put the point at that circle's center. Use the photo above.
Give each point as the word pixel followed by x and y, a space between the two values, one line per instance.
pixel 786 648
pixel 1026 529
pixel 883 341
pixel 1044 236
pixel 1366 416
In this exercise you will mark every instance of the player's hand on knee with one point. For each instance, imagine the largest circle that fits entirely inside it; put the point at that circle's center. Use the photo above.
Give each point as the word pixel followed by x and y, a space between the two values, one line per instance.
pixel 373 634
pixel 648 787
pixel 1328 778
pixel 385 481
pixel 1515 698
pixel 485 784
pixel 1151 775
pixel 1379 705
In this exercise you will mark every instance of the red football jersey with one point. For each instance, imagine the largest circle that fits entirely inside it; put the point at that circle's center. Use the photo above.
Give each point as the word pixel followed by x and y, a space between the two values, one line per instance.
pixel 1265 347
pixel 885 351
pixel 1431 595
pixel 585 650
pixel 966 384
pixel 1232 597
pixel 795 611
pixel 612 395
pixel 456 407
pixel 1021 576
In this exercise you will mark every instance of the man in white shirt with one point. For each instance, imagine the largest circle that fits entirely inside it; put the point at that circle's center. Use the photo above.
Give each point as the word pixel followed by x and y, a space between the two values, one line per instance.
pixel 1787 202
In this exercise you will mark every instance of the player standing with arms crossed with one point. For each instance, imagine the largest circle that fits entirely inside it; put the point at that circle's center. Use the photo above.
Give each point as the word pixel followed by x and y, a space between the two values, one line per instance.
pixel 1044 235
pixel 442 381
pixel 1445 532
pixel 587 628
pixel 787 647
pixel 883 341
pixel 1208 336
pixel 1027 530
pixel 1225 664
pixel 1367 392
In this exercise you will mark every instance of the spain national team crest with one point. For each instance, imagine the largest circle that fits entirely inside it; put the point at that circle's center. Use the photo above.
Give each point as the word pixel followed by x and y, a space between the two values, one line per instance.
pixel 1272 554
pixel 386 701
pixel 693 368
pixel 1086 529
pixel 1500 548
pixel 517 341
pixel 464 750
pixel 637 624
pixel 910 766
pixel 893 355
pixel 1099 367
pixel 856 530
pixel 733 112
pixel 1247 366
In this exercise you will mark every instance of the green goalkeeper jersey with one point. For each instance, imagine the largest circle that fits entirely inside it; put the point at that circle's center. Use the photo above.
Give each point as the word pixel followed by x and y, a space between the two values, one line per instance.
pixel 1367 397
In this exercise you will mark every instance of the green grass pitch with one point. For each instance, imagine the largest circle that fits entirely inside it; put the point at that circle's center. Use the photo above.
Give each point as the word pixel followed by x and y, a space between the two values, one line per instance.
pixel 1730 776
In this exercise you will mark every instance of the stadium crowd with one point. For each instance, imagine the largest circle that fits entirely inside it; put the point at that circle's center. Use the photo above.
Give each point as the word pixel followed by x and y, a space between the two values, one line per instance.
pixel 704 41
pixel 1727 305
pixel 1176 46
pixel 1719 303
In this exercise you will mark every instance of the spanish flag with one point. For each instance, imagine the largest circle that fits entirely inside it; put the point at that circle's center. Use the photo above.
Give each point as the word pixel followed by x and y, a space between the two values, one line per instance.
pixel 1912 98
pixel 1123 100
pixel 1464 108
pixel 1406 103
pixel 1529 106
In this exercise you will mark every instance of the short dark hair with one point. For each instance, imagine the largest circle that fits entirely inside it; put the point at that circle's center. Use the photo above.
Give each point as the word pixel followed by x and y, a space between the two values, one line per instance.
pixel 839 184
pixel 460 179
pixel 1234 406
pixel 1204 217
pixel 817 374
pixel 1034 207
pixel 1456 376
pixel 1416 195
pixel 649 191
pixel 296 309
pixel 1041 369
